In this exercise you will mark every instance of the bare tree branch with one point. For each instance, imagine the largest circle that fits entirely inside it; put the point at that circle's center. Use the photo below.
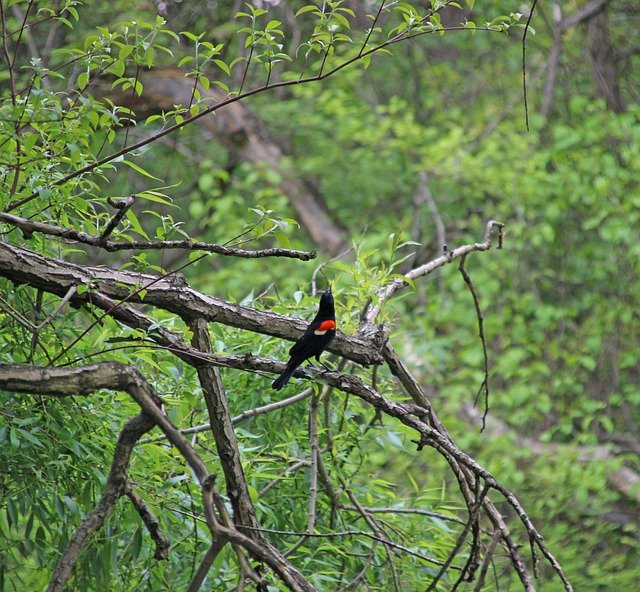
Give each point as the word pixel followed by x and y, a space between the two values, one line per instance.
pixel 151 522
pixel 29 227
pixel 172 294
pixel 397 284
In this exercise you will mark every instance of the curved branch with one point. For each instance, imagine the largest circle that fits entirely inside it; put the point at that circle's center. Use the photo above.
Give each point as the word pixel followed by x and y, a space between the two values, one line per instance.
pixel 397 284
pixel 113 375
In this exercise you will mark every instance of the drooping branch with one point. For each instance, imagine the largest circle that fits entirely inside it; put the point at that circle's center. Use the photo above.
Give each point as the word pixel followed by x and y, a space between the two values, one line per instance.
pixel 112 375
pixel 466 477
pixel 484 386
pixel 30 226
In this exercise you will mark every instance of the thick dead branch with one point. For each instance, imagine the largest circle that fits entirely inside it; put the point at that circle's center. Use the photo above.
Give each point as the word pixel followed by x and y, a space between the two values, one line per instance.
pixel 554 59
pixel 29 227
pixel 222 428
pixel 112 375
pixel 170 293
pixel 604 60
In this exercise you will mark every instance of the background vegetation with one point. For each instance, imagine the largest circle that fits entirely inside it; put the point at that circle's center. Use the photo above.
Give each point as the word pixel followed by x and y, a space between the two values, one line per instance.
pixel 417 150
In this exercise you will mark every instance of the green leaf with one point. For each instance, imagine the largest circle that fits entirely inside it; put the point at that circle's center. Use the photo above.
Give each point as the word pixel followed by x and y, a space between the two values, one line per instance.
pixel 308 8
pixel 223 66
pixel 83 79
pixel 140 170
pixel 135 223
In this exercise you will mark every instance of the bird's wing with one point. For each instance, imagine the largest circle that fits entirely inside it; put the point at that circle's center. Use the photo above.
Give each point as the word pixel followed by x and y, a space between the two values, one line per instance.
pixel 299 345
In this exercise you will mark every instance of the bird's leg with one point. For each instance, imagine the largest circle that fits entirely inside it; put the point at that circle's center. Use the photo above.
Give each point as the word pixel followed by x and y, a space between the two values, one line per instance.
pixel 327 369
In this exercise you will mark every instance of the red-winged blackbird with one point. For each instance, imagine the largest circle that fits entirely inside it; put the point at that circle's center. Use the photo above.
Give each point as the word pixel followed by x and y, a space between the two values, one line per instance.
pixel 314 340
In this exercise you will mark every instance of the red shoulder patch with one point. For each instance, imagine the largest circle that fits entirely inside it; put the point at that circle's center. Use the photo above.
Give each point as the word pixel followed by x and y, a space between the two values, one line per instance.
pixel 326 326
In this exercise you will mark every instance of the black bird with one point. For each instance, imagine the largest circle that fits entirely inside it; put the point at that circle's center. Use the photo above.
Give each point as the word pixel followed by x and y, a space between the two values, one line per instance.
pixel 314 341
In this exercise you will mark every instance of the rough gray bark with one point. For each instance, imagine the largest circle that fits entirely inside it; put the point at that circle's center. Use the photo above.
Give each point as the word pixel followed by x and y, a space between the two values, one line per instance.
pixel 172 294
pixel 223 432
pixel 113 375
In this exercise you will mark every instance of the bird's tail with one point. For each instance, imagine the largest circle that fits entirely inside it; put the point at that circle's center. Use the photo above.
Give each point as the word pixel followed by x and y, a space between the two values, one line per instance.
pixel 279 382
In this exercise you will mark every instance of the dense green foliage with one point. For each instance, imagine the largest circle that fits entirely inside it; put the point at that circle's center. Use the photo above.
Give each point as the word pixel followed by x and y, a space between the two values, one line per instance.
pixel 560 300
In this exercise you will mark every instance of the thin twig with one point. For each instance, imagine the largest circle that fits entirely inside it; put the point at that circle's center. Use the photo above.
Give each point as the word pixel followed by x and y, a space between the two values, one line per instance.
pixel 473 518
pixel 349 533
pixel 486 561
pixel 398 283
pixel 30 226
pixel 313 473
pixel 121 209
pixel 151 522
pixel 372 27
pixel 417 511
pixel 524 64
pixel 305 394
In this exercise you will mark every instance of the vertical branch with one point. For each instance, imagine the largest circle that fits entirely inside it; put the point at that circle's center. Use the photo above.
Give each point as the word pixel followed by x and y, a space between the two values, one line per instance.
pixel 371 28
pixel 377 531
pixel 524 64
pixel 313 473
pixel 488 557
pixel 313 442
pixel 476 302
pixel 223 432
